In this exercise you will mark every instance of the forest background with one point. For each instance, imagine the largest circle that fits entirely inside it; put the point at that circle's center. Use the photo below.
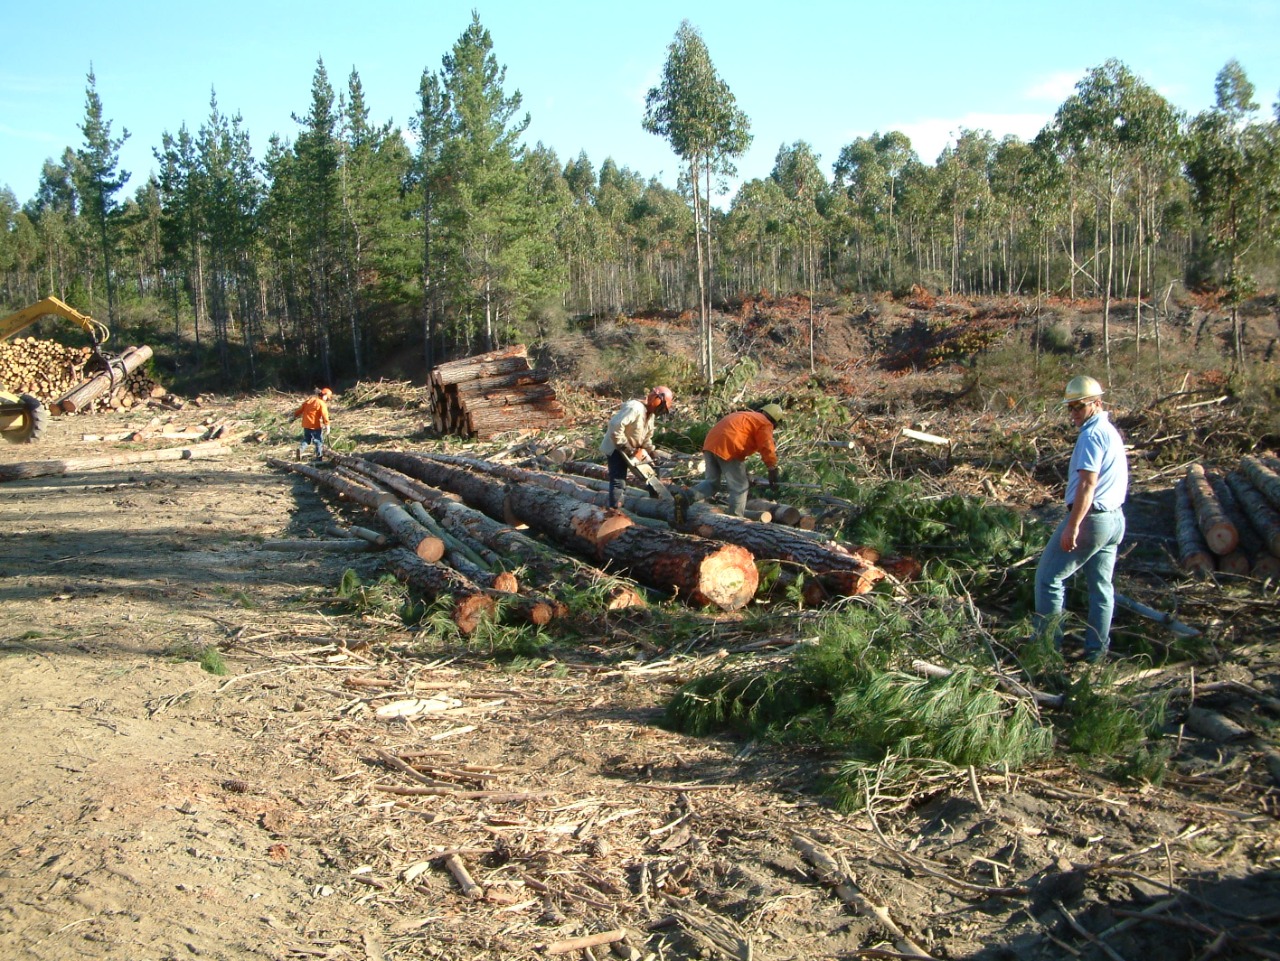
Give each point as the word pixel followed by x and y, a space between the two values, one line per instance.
pixel 347 253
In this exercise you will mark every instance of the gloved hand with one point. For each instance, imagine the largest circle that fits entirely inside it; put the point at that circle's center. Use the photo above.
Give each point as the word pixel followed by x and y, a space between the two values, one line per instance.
pixel 773 482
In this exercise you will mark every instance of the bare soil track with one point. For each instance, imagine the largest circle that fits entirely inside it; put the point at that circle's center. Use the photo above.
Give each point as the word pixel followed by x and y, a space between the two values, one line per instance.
pixel 153 810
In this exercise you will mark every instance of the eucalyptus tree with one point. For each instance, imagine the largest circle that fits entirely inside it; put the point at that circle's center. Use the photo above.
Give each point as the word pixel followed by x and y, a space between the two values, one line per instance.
pixel 871 171
pixel 54 212
pixel 19 252
pixel 142 238
pixel 964 180
pixel 580 235
pixel 1110 122
pixel 98 179
pixel 618 201
pixel 694 110
pixel 796 171
pixel 1232 165
pixel 755 232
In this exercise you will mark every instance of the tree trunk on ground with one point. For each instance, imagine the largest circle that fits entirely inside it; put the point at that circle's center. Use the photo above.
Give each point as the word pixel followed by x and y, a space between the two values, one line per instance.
pixel 1193 553
pixel 416 538
pixel 46 468
pixel 471 605
pixel 553 570
pixel 845 573
pixel 1219 533
pixel 1263 478
pixel 350 490
pixel 694 569
pixel 1263 517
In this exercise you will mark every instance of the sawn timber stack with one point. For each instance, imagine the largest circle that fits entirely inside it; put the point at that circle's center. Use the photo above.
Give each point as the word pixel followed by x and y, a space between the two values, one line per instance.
pixel 487 394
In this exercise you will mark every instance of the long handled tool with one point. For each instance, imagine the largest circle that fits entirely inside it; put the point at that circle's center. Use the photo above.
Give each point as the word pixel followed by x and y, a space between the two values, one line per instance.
pixel 649 476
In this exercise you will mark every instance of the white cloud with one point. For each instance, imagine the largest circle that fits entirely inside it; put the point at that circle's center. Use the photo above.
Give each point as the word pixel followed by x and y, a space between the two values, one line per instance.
pixel 1054 88
pixel 930 136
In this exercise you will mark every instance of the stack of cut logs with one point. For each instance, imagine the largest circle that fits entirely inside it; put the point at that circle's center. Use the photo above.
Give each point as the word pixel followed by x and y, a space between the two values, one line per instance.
pixel 69 379
pixel 455 521
pixel 43 368
pixel 488 394
pixel 1231 523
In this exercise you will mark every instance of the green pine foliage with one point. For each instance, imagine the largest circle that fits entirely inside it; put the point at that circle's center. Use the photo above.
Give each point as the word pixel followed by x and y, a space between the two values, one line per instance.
pixel 849 694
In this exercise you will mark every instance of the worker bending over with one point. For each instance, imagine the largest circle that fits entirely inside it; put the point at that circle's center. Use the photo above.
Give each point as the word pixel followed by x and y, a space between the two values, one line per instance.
pixel 733 439
pixel 630 434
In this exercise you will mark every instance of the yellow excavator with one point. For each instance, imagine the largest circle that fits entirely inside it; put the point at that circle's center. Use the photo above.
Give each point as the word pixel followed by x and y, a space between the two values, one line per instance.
pixel 22 416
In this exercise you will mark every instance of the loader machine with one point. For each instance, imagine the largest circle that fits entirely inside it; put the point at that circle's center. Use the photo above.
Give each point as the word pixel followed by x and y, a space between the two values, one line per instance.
pixel 22 416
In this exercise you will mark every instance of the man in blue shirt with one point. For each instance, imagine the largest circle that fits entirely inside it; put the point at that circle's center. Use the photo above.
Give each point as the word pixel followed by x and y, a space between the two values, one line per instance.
pixel 1089 536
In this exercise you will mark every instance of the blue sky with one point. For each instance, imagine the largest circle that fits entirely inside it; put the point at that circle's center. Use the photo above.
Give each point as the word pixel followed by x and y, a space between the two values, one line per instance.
pixel 821 72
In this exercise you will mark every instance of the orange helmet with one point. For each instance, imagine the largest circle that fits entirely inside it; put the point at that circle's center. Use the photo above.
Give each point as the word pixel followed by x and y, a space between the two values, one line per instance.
pixel 662 398
pixel 325 393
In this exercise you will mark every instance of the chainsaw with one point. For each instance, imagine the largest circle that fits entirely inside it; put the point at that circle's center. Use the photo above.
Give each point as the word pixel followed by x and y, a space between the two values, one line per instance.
pixel 650 476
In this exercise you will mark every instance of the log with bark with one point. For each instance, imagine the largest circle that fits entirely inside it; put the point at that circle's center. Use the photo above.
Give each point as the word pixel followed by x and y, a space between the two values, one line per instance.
pixel 1242 559
pixel 48 468
pixel 1263 517
pixel 415 538
pixel 1193 553
pixel 103 383
pixel 695 569
pixel 842 572
pixel 552 569
pixel 1262 476
pixel 1219 533
pixel 471 604
pixel 363 494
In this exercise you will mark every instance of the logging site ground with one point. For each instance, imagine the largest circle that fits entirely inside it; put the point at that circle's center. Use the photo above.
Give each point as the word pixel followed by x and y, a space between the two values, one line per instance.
pixel 217 750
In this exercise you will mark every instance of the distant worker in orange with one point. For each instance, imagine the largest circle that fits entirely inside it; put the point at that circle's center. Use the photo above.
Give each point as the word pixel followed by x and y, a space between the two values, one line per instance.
pixel 733 439
pixel 630 434
pixel 315 422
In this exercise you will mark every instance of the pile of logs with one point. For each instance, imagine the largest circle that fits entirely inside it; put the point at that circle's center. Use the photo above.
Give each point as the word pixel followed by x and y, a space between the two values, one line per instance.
pixel 42 368
pixel 1231 523
pixel 488 394
pixel 458 532
pixel 71 380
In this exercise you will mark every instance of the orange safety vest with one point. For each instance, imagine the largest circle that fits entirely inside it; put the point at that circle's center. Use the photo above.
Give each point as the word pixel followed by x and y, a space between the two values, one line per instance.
pixel 741 434
pixel 314 413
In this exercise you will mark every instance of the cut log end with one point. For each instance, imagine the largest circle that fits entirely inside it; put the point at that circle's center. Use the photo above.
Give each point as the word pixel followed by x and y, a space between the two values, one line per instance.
pixel 429 549
pixel 472 610
pixel 727 579
pixel 506 582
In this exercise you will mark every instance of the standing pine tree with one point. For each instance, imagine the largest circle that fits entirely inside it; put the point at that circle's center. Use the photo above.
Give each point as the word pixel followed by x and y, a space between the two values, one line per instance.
pixel 98 182
pixel 494 241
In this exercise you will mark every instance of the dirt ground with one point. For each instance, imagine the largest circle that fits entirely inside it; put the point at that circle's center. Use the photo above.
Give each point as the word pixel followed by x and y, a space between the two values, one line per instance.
pixel 154 810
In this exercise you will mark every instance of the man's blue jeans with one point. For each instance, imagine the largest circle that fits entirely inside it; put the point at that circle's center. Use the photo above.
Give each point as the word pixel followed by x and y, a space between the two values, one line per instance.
pixel 1095 553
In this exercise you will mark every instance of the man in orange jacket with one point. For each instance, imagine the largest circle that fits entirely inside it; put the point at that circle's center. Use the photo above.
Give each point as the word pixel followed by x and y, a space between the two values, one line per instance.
pixel 315 421
pixel 729 443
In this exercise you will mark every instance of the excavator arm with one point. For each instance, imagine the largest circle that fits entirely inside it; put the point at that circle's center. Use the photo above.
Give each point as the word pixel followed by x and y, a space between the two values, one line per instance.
pixel 10 326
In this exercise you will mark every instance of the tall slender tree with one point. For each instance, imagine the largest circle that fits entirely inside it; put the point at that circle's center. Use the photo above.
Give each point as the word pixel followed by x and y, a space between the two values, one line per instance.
pixel 98 180
pixel 694 110
pixel 1234 172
